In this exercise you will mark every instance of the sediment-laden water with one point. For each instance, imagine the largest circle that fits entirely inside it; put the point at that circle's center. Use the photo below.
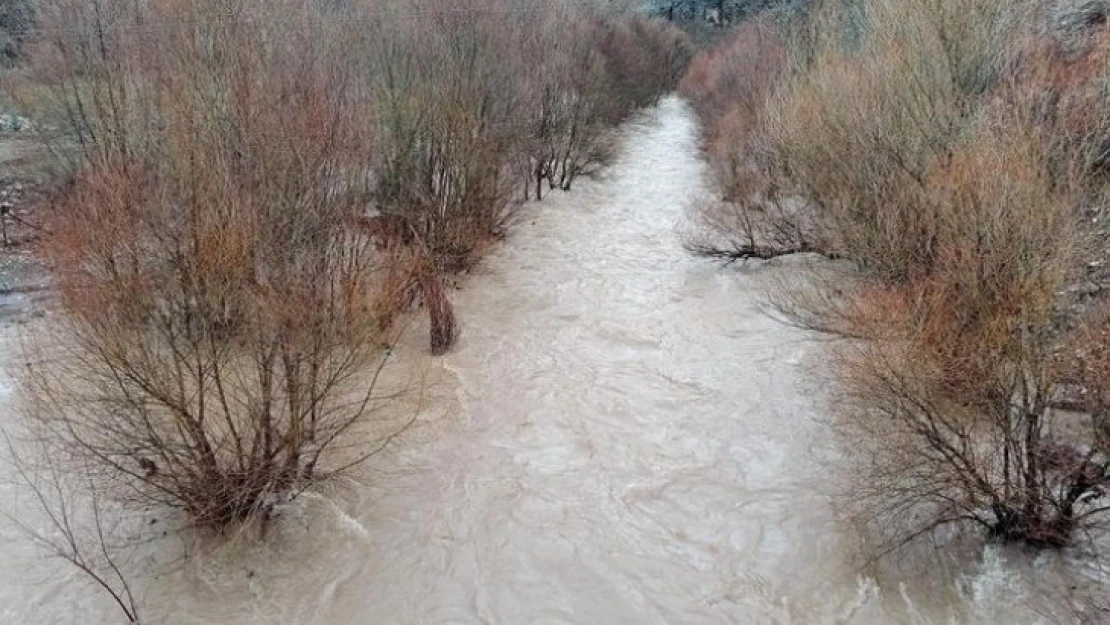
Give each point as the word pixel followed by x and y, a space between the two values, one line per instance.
pixel 621 437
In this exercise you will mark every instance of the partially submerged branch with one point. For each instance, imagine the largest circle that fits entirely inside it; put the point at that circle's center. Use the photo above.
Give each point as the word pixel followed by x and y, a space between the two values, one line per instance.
pixel 742 252
pixel 68 531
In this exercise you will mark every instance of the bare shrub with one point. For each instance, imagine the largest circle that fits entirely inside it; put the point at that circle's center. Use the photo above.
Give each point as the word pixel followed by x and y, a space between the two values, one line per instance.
pixel 758 227
pixel 949 152
pixel 461 105
pixel 644 58
pixel 860 132
pixel 965 221
pixel 954 385
pixel 530 82
pixel 492 97
pixel 255 193
pixel 611 65
pixel 728 86
pixel 1057 74
pixel 864 118
pixel 446 115
pixel 220 334
pixel 1088 365
pixel 447 125
pixel 570 111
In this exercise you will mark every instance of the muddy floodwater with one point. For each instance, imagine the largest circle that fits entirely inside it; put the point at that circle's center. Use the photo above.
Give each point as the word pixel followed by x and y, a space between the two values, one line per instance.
pixel 621 437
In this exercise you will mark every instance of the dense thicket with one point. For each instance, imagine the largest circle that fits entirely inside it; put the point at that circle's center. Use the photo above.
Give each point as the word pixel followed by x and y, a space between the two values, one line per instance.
pixel 953 153
pixel 254 190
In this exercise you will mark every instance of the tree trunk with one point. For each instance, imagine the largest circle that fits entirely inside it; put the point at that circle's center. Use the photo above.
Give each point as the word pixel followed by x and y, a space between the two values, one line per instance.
pixel 441 317
pixel 1032 463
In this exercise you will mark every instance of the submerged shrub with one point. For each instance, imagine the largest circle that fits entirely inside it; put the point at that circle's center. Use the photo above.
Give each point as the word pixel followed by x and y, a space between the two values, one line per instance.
pixel 949 152
pixel 254 192
pixel 220 338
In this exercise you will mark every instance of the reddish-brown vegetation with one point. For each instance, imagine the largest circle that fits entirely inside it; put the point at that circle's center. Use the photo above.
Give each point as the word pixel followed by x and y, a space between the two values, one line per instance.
pixel 218 307
pixel 953 152
pixel 729 86
pixel 255 191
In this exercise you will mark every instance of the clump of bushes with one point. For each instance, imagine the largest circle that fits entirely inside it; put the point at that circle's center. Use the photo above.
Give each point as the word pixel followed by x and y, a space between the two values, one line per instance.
pixel 728 86
pixel 217 304
pixel 592 73
pixel 951 153
pixel 254 191
pixel 496 103
pixel 251 193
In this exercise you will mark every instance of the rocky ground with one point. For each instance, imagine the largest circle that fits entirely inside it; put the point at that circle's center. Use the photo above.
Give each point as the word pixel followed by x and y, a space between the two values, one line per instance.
pixel 23 280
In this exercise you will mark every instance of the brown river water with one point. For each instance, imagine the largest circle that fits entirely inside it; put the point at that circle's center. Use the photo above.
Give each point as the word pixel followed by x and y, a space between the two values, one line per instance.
pixel 621 437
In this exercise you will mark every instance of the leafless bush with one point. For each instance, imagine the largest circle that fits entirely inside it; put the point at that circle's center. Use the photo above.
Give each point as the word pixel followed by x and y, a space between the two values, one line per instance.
pixel 955 384
pixel 611 65
pixel 644 58
pixel 469 104
pixel 760 227
pixel 728 86
pixel 446 121
pixel 221 335
pixel 941 148
pixel 967 226
pixel 256 191
pixel 569 111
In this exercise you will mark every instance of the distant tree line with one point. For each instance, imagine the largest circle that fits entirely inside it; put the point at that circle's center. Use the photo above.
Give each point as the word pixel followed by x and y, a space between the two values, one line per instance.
pixel 719 12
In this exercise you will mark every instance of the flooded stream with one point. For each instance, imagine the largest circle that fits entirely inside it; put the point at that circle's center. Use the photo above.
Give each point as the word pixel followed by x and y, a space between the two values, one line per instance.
pixel 621 437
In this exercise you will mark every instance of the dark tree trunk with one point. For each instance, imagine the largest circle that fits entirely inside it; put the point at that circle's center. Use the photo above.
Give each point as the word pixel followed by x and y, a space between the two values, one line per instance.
pixel 440 313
